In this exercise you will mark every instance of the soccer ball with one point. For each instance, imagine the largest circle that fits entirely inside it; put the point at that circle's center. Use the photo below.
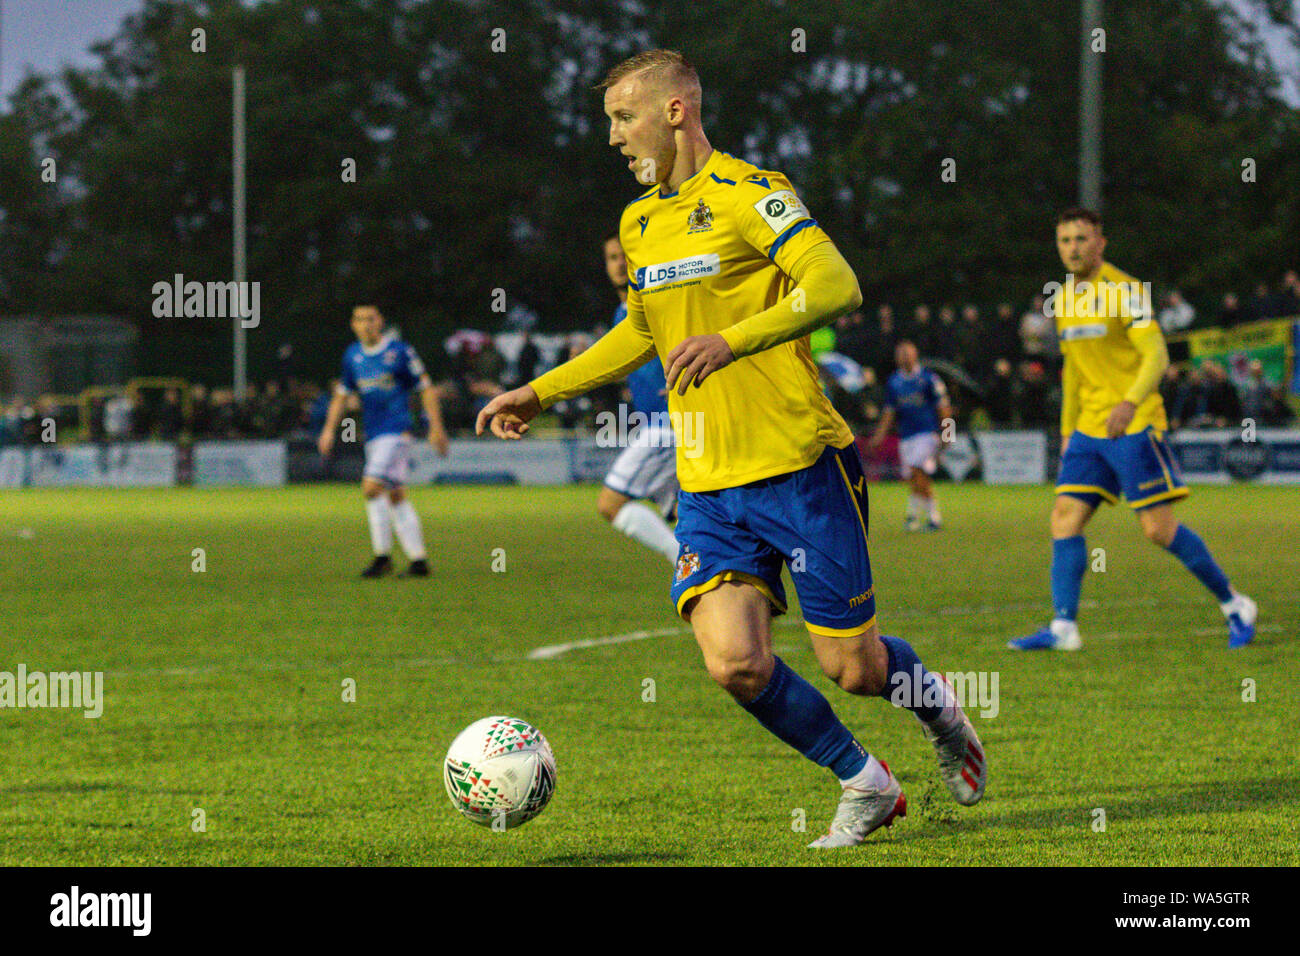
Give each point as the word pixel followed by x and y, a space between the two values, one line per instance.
pixel 499 772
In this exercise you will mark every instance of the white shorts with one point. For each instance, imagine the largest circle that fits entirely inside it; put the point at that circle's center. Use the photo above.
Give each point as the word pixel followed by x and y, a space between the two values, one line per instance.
pixel 647 468
pixel 919 452
pixel 388 459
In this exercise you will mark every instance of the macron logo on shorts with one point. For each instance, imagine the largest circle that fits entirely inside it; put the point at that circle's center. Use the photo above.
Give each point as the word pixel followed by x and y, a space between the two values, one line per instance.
pixel 679 270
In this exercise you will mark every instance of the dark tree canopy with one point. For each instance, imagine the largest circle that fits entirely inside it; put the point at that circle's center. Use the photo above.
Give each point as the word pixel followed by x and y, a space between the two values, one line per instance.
pixel 480 168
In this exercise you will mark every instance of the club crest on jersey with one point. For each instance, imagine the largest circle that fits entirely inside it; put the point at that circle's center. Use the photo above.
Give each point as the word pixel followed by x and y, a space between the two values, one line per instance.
pixel 700 219
pixel 688 562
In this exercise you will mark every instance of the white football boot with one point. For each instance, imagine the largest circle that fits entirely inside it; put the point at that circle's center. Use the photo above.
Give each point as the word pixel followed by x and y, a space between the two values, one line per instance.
pixel 863 811
pixel 961 760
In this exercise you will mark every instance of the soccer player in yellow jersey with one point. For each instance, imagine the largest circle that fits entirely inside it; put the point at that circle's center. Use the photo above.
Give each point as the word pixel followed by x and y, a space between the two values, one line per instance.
pixel 728 274
pixel 1112 425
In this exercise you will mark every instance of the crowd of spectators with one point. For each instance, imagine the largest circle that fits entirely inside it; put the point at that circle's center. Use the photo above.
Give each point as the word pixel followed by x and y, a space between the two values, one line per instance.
pixel 1002 369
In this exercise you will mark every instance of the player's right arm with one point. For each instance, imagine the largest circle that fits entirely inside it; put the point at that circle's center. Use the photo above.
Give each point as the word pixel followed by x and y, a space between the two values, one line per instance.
pixel 325 443
pixel 347 386
pixel 825 288
pixel 887 418
pixel 625 347
pixel 882 428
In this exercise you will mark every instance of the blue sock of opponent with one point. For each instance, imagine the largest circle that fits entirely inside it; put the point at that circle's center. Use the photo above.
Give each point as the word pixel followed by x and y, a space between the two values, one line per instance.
pixel 1069 561
pixel 794 710
pixel 1188 548
pixel 908 684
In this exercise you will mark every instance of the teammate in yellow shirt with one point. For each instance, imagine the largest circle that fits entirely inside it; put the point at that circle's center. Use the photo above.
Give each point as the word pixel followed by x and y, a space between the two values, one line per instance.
pixel 728 275
pixel 1112 425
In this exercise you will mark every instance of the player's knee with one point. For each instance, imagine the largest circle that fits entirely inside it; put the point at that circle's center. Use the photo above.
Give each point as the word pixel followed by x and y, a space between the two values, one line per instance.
pixel 1065 521
pixel 1158 533
pixel 860 679
pixel 860 671
pixel 396 496
pixel 743 678
pixel 607 509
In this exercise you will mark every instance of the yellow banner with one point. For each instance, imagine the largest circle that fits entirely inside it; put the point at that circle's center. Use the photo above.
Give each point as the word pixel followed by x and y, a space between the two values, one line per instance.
pixel 1271 333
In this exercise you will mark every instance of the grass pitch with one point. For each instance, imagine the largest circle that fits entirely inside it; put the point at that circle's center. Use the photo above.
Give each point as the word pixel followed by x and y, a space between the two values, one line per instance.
pixel 224 688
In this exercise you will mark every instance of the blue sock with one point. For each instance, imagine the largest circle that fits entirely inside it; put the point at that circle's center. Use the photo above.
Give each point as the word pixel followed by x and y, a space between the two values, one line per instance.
pixel 794 710
pixel 1188 548
pixel 1069 561
pixel 906 675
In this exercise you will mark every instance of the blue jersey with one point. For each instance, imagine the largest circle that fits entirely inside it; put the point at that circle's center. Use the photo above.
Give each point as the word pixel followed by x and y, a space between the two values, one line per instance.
pixel 915 399
pixel 384 377
pixel 647 382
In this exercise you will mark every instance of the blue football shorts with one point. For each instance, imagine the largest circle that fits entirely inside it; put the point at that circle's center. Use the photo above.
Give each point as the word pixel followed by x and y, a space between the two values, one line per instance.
pixel 813 521
pixel 1139 466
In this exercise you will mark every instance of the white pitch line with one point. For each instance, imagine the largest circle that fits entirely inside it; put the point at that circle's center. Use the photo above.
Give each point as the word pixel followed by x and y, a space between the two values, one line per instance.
pixel 555 650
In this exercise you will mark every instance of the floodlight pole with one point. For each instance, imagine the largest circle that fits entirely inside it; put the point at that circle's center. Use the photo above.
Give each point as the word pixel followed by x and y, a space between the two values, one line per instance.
pixel 1090 108
pixel 240 243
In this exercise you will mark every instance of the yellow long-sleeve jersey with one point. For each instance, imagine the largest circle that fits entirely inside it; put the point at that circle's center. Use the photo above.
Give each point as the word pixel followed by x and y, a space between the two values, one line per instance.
pixel 732 251
pixel 1113 349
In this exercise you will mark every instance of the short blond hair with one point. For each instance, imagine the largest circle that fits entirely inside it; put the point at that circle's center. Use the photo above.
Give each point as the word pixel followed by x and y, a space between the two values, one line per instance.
pixel 666 70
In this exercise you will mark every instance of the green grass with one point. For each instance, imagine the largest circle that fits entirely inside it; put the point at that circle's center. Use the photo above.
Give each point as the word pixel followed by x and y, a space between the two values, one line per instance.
pixel 223 688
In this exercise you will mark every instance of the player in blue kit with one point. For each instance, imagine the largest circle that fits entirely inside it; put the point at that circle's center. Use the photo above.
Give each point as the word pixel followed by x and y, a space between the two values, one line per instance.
pixel 917 400
pixel 647 467
pixel 383 370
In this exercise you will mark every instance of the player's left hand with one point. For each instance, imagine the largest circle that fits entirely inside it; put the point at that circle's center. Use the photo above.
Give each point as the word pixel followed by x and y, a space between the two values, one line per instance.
pixel 438 439
pixel 695 359
pixel 1121 416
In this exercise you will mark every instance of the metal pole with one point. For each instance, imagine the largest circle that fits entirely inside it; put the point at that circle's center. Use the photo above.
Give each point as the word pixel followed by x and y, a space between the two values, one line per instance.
pixel 1090 109
pixel 240 250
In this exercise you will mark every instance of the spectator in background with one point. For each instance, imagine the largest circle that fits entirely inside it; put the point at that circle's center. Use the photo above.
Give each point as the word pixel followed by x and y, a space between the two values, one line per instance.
pixel 1256 394
pixel 852 338
pixel 945 334
pixel 1278 412
pixel 1177 315
pixel 1173 386
pixel 119 418
pixel 972 344
pixel 526 362
pixel 170 418
pixel 200 412
pixel 1230 311
pixel 1223 405
pixel 1288 297
pixel 1210 401
pixel 1004 336
pixel 223 414
pixel 1000 394
pixel 1261 303
pixel 284 365
pixel 1036 387
pixel 1038 335
pixel 880 352
pixel 921 332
